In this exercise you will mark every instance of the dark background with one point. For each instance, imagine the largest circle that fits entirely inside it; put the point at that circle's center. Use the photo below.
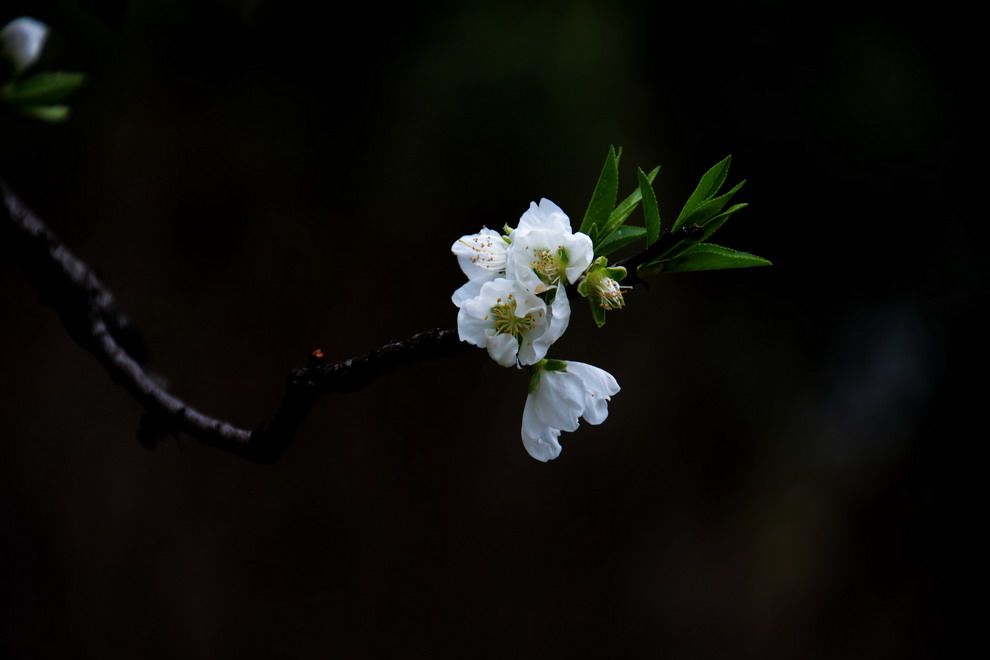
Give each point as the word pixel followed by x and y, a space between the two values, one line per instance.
pixel 792 469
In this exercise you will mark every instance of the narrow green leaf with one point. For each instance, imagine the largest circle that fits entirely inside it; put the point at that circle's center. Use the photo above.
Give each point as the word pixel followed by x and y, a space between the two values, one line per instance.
pixel 708 256
pixel 603 199
pixel 707 210
pixel 42 88
pixel 713 225
pixel 597 312
pixel 707 188
pixel 618 239
pixel 651 211
pixel 50 113
pixel 625 208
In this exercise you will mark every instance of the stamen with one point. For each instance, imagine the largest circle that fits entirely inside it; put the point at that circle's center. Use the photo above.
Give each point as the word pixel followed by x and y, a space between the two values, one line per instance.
pixel 506 321
pixel 610 294
pixel 546 265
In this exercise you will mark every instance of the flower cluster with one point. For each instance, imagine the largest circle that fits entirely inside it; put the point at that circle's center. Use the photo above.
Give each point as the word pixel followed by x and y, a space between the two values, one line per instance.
pixel 515 306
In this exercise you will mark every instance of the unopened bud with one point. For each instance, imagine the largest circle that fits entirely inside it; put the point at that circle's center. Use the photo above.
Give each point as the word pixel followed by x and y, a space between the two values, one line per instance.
pixel 22 41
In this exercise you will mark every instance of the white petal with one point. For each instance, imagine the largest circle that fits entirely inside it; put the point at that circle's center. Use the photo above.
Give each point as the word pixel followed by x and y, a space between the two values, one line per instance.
pixel 540 441
pixel 502 348
pixel 481 256
pixel 560 318
pixel 545 215
pixel 580 252
pixel 559 400
pixel 599 386
pixel 471 327
pixel 23 40
pixel 469 290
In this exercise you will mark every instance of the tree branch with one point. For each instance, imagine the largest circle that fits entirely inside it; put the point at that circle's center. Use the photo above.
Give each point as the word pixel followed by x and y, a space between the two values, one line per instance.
pixel 89 313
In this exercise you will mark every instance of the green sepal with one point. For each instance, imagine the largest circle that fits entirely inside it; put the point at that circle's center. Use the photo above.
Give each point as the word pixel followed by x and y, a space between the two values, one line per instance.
pixel 619 239
pixel 42 89
pixel 617 273
pixel 554 365
pixel 651 210
pixel 534 377
pixel 597 312
pixel 603 198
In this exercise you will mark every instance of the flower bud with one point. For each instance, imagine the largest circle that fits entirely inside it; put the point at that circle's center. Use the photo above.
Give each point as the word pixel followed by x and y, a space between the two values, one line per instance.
pixel 22 41
pixel 601 284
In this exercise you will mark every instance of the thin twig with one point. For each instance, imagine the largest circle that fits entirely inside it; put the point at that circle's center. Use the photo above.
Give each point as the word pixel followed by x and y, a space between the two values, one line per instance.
pixel 90 315
pixel 88 311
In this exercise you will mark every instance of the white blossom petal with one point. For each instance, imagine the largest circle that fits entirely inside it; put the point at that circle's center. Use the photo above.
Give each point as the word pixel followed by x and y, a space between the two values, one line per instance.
pixel 580 253
pixel 540 441
pixel 468 290
pixel 599 386
pixel 560 398
pixel 502 348
pixel 481 256
pixel 545 215
pixel 22 41
pixel 560 318
pixel 501 311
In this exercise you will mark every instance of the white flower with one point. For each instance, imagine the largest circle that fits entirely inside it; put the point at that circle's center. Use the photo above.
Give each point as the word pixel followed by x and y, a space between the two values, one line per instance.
pixel 482 258
pixel 563 392
pixel 22 40
pixel 506 319
pixel 559 317
pixel 544 252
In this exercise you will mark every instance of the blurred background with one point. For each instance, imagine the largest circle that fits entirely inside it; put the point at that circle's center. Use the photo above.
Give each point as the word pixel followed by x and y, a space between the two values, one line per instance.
pixel 790 471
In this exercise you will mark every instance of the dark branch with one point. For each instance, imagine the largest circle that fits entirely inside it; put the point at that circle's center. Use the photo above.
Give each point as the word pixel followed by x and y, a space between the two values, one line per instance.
pixel 90 315
pixel 88 311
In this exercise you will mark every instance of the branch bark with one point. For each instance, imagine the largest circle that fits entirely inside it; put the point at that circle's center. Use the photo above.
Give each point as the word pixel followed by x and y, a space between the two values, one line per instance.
pixel 89 313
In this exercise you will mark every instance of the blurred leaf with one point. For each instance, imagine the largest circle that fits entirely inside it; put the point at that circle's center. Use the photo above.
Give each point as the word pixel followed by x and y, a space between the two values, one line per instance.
pixel 597 312
pixel 603 199
pixel 708 256
pixel 49 113
pixel 620 238
pixel 707 188
pixel 42 88
pixel 651 211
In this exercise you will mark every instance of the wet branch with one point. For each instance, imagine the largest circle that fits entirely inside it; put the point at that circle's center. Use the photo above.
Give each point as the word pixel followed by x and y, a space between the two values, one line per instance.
pixel 89 313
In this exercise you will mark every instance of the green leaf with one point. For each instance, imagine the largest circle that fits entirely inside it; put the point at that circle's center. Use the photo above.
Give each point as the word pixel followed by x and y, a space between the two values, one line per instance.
pixel 620 238
pixel 50 113
pixel 603 199
pixel 651 211
pixel 707 210
pixel 597 312
pixel 707 188
pixel 42 88
pixel 713 225
pixel 626 207
pixel 708 256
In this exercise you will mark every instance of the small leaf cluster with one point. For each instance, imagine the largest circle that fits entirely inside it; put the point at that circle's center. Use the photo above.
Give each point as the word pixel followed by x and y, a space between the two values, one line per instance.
pixel 686 246
pixel 704 213
pixel 42 95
